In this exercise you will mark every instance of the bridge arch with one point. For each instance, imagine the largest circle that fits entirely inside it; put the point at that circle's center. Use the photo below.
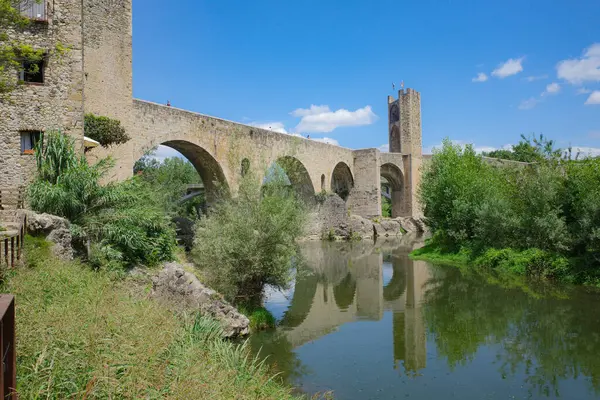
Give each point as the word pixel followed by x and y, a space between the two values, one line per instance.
pixel 208 167
pixel 299 177
pixel 342 181
pixel 395 179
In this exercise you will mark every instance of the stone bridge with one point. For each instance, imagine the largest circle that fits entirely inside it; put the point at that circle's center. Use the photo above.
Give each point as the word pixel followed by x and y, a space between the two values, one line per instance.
pixel 223 151
pixel 96 77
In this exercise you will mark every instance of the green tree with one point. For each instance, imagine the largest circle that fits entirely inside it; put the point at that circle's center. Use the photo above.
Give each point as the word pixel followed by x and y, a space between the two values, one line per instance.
pixel 169 180
pixel 249 241
pixel 529 149
pixel 104 130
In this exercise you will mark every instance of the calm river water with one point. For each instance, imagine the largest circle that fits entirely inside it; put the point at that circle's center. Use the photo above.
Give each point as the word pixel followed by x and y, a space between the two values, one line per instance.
pixel 366 322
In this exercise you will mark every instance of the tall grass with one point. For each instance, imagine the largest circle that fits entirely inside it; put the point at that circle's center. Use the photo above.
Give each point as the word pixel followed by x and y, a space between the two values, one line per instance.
pixel 82 334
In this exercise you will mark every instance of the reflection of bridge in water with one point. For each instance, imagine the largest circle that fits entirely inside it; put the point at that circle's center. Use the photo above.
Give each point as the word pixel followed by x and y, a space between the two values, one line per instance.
pixel 348 284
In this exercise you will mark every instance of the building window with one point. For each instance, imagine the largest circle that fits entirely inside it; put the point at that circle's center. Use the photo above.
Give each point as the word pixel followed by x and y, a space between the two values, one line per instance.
pixel 33 71
pixel 33 9
pixel 28 141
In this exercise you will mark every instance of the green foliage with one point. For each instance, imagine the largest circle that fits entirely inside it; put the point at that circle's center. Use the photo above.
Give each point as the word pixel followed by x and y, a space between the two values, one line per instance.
pixel 84 335
pixel 530 149
pixel 386 207
pixel 250 241
pixel 329 235
pixel 260 318
pixel 106 131
pixel 120 216
pixel 14 54
pixel 544 217
pixel 321 196
pixel 168 181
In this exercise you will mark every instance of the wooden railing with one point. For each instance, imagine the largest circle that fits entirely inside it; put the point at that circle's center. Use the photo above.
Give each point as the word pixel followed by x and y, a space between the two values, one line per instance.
pixel 8 377
pixel 11 198
pixel 11 242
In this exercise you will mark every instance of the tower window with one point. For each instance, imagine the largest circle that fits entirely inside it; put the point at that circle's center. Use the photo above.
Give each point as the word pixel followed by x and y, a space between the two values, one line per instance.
pixel 28 141
pixel 33 71
pixel 33 9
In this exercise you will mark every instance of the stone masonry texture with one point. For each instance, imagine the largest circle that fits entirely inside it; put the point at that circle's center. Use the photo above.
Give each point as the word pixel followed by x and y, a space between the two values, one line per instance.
pixel 95 76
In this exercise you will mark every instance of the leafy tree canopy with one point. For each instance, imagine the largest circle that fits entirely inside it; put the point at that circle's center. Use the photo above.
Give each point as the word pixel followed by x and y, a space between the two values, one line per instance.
pixel 104 130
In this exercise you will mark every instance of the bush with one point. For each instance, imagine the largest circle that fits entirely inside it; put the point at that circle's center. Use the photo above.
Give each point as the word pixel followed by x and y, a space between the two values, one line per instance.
pixel 104 130
pixel 250 241
pixel 540 219
pixel 122 216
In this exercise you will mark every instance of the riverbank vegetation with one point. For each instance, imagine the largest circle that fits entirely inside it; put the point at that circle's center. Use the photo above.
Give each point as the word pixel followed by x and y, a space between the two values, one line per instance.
pixel 540 219
pixel 249 241
pixel 83 334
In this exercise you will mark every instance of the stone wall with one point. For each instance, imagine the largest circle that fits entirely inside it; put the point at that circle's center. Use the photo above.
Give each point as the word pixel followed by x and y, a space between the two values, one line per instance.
pixel 365 198
pixel 55 104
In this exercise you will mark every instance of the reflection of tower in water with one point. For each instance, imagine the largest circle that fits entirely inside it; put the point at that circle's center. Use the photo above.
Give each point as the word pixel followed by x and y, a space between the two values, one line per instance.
pixel 345 286
pixel 410 346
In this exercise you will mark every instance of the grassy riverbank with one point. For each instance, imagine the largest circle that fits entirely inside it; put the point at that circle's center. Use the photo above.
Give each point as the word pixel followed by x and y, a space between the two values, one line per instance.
pixel 85 334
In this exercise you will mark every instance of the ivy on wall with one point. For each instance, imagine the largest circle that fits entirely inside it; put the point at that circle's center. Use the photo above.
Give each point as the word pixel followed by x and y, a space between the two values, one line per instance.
pixel 104 130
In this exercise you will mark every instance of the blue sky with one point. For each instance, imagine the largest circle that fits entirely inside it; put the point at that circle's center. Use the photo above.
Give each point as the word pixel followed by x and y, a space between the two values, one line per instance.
pixel 325 68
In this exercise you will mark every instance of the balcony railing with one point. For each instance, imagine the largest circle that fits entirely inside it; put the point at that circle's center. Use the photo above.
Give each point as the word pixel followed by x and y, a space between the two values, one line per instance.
pixel 33 9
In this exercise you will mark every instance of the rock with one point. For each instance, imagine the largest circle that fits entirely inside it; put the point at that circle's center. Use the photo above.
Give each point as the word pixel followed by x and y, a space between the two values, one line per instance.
pixel 62 248
pixel 175 285
pixel 331 215
pixel 388 228
pixel 43 224
pixel 55 229
pixel 361 227
pixel 411 224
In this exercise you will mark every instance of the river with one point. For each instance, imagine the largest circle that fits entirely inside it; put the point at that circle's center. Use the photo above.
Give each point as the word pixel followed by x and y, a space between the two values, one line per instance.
pixel 366 322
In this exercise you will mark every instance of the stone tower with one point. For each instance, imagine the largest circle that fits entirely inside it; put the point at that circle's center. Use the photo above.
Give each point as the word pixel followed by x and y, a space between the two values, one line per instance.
pixel 404 122
pixel 108 72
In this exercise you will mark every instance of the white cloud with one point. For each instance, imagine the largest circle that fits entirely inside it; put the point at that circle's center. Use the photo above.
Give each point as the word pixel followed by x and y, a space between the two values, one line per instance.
pixel 586 151
pixel 584 69
pixel 313 110
pixel 583 91
pixel 536 78
pixel 322 119
pixel 163 152
pixel 594 98
pixel 481 77
pixel 511 67
pixel 385 148
pixel 271 126
pixel 552 88
pixel 327 140
pixel 528 104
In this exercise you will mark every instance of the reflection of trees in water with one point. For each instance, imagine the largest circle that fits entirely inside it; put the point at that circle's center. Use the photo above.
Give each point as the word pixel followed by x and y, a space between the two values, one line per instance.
pixel 279 354
pixel 551 338
pixel 344 292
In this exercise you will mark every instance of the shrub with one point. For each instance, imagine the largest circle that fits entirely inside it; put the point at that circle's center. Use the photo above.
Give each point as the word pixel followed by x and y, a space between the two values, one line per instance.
pixel 249 241
pixel 104 130
pixel 120 215
pixel 541 219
